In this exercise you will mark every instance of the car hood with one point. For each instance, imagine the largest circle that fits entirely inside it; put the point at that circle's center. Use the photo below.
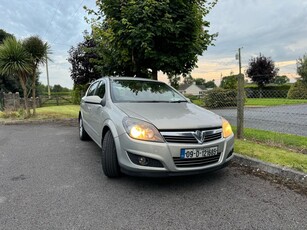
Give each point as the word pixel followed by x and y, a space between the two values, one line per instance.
pixel 166 116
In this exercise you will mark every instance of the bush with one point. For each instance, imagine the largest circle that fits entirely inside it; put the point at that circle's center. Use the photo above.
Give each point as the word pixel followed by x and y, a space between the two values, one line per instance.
pixel 78 92
pixel 298 90
pixel 191 97
pixel 219 97
pixel 270 91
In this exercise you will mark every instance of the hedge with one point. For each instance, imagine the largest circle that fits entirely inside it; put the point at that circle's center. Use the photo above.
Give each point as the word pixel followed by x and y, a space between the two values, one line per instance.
pixel 298 90
pixel 218 98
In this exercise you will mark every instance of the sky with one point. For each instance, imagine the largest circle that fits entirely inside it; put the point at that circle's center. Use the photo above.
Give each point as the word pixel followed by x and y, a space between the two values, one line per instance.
pixel 274 28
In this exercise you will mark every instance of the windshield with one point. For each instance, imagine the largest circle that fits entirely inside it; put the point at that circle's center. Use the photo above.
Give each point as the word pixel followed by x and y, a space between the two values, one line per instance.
pixel 143 91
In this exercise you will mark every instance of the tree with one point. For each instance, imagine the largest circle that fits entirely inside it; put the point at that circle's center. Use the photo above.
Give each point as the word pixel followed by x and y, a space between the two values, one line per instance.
pixel 302 68
pixel 59 88
pixel 188 80
pixel 174 81
pixel 230 82
pixel 261 70
pixel 16 61
pixel 200 81
pixel 4 35
pixel 210 84
pixel 281 80
pixel 142 37
pixel 38 51
pixel 8 83
pixel 82 62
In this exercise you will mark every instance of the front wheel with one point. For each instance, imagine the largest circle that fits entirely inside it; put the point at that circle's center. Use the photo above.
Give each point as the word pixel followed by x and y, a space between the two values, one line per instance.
pixel 109 157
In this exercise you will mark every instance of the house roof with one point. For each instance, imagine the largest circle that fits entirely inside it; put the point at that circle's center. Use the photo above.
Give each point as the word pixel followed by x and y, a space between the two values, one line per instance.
pixel 185 86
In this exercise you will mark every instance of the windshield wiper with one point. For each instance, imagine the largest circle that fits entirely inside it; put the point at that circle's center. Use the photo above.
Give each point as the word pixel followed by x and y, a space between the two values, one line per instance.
pixel 179 101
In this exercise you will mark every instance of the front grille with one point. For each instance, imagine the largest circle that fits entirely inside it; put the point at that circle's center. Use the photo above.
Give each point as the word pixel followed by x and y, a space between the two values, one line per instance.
pixel 196 162
pixel 188 138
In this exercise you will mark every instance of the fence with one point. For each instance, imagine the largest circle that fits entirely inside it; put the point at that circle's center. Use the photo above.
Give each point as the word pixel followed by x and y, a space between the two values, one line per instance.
pixel 58 99
pixel 13 102
pixel 263 109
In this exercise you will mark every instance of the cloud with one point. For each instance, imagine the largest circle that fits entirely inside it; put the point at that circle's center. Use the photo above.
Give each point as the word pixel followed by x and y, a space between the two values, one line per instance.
pixel 275 29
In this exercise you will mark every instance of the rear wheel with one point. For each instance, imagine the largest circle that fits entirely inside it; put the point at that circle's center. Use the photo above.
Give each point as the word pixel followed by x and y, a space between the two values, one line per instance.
pixel 82 133
pixel 109 157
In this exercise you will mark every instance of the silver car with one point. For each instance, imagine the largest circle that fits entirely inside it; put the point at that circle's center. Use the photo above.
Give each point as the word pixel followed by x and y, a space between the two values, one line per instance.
pixel 147 128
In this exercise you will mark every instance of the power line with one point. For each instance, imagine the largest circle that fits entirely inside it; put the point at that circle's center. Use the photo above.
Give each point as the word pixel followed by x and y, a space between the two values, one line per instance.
pixel 53 16
pixel 77 9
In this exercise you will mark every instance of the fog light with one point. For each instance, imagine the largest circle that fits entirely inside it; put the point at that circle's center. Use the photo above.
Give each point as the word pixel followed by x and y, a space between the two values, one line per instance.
pixel 143 161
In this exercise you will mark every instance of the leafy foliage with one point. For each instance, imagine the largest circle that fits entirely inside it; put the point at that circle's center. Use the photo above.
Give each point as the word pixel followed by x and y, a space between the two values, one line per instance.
pixel 38 51
pixel 141 37
pixel 281 80
pixel 174 80
pixel 210 84
pixel 8 83
pixel 218 98
pixel 230 82
pixel 4 35
pixel 262 70
pixel 298 90
pixel 16 61
pixel 200 81
pixel 302 68
pixel 83 69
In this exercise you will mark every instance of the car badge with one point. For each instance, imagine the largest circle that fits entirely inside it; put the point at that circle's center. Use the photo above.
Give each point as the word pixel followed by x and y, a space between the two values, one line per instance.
pixel 199 135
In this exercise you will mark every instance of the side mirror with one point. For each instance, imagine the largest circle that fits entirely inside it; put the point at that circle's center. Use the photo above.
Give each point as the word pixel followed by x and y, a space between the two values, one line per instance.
pixel 93 100
pixel 188 99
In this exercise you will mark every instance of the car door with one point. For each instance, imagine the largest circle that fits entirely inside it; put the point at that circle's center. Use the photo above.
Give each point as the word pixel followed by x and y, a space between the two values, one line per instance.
pixel 98 111
pixel 86 109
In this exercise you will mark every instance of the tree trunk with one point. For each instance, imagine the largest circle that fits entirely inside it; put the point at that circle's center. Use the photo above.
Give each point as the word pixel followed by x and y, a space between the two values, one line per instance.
pixel 25 95
pixel 34 93
pixel 154 75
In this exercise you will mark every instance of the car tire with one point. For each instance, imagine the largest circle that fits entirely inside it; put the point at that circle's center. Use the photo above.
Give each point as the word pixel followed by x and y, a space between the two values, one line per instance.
pixel 109 160
pixel 82 133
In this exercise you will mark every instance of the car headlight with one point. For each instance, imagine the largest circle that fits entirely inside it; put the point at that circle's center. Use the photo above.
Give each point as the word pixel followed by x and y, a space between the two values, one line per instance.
pixel 227 131
pixel 141 130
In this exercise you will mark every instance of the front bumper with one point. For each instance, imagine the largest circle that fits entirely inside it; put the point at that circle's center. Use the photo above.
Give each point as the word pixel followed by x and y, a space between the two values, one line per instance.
pixel 165 153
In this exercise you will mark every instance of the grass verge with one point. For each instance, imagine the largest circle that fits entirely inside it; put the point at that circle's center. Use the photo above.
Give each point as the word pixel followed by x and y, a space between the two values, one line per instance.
pixel 282 140
pixel 273 101
pixel 43 113
pixel 277 148
pixel 271 154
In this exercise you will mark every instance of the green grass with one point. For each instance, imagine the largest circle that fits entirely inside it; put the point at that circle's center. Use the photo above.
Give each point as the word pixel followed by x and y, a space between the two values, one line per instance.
pixel 287 141
pixel 277 148
pixel 58 112
pixel 273 101
pixel 273 155
pixel 50 112
pixel 198 102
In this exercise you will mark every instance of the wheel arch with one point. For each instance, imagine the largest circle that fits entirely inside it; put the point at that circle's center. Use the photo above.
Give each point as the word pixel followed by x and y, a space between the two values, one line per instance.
pixel 108 126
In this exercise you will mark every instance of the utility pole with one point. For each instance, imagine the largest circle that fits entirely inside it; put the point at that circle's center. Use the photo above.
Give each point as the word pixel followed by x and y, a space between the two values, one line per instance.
pixel 240 101
pixel 48 85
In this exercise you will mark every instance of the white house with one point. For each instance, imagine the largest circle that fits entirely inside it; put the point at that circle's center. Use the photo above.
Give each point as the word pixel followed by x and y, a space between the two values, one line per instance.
pixel 192 89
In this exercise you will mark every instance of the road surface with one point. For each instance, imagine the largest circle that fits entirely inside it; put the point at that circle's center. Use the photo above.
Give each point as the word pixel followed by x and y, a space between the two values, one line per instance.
pixel 51 180
pixel 285 119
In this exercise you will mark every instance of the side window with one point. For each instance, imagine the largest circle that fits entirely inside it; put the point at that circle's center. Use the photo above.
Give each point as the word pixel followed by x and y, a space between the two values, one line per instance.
pixel 92 89
pixel 101 90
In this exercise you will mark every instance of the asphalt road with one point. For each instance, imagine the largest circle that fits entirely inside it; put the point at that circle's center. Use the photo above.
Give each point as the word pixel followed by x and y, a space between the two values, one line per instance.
pixel 285 119
pixel 51 180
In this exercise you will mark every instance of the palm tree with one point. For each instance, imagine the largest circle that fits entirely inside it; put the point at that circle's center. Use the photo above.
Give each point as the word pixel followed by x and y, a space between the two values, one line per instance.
pixel 16 61
pixel 38 51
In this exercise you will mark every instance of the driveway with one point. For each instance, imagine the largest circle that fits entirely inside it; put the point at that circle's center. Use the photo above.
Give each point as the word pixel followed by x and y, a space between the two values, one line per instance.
pixel 285 119
pixel 51 180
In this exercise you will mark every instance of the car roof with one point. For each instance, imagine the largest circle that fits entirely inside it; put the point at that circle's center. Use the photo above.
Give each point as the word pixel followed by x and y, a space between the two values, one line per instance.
pixel 132 78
